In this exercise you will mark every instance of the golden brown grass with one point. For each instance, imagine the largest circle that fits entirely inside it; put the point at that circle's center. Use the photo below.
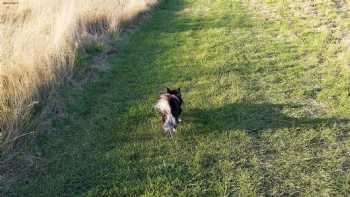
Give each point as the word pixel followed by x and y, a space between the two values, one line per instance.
pixel 38 43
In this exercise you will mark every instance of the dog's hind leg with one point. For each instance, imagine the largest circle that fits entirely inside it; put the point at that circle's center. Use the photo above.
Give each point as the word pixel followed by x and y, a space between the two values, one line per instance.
pixel 169 133
pixel 163 119
pixel 172 132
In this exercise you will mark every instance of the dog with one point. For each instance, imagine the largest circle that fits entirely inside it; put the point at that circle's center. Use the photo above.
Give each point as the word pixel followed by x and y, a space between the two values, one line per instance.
pixel 169 106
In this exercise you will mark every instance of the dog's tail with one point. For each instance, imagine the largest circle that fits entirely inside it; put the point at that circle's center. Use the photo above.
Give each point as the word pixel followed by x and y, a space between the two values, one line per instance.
pixel 169 121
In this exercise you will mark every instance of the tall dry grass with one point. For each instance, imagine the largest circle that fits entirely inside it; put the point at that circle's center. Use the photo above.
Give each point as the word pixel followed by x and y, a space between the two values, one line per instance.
pixel 38 44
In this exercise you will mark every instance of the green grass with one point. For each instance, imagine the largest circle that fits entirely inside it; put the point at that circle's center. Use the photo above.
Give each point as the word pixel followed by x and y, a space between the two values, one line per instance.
pixel 266 113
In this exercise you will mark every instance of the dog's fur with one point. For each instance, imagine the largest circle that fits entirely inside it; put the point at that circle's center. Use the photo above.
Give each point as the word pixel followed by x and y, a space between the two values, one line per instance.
pixel 169 106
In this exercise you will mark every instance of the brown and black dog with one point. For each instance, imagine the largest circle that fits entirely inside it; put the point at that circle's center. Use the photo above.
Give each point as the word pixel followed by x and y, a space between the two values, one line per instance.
pixel 169 106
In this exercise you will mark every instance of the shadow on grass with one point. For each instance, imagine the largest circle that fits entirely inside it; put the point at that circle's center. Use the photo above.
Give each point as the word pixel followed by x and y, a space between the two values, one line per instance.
pixel 256 118
pixel 99 148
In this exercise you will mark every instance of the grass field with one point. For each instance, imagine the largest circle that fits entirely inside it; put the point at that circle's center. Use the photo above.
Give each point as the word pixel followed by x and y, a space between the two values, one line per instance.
pixel 39 42
pixel 266 110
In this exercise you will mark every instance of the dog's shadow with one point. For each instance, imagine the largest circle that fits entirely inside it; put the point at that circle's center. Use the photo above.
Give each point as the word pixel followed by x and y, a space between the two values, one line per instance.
pixel 257 117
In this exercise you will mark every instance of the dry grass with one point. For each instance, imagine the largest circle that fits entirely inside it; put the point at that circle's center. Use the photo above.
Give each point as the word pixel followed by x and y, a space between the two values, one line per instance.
pixel 38 43
pixel 266 112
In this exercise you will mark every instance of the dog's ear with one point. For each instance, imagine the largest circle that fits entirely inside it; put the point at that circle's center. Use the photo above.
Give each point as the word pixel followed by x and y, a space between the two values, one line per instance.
pixel 178 90
pixel 168 90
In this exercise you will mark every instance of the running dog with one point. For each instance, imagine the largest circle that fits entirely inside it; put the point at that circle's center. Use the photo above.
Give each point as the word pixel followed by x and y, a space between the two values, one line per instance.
pixel 169 106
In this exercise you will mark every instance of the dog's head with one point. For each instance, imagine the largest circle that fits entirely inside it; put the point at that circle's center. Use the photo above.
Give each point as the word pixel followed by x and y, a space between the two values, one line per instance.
pixel 176 92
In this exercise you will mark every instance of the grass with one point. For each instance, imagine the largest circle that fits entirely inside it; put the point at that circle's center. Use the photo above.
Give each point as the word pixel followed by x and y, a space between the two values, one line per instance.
pixel 266 113
pixel 36 55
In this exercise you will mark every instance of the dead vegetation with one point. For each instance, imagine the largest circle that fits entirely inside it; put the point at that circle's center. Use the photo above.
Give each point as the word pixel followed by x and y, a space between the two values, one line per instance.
pixel 38 48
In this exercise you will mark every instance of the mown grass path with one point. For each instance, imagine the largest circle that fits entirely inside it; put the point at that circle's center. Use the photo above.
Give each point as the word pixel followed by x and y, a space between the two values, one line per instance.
pixel 261 117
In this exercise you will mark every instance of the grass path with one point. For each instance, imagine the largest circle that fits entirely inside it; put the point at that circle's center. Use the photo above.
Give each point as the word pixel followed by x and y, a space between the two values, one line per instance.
pixel 263 115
